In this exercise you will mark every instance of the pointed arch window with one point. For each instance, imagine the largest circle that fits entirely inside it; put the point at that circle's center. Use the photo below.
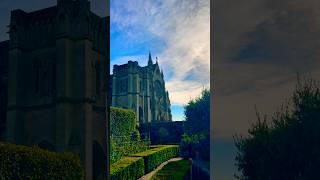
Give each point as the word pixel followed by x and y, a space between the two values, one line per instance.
pixel 36 76
pixel 98 79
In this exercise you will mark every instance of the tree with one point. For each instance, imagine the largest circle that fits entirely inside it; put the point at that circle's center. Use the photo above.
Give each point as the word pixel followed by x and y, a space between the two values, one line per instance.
pixel 286 146
pixel 197 114
pixel 197 127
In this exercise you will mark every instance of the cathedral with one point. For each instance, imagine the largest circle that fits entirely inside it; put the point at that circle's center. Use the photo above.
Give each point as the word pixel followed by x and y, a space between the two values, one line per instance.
pixel 53 81
pixel 141 89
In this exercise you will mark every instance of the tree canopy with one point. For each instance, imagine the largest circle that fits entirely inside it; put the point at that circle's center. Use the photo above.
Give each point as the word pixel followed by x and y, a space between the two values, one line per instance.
pixel 287 145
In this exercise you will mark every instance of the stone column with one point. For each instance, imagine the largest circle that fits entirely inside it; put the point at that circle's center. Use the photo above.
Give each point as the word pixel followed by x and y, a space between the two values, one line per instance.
pixel 13 114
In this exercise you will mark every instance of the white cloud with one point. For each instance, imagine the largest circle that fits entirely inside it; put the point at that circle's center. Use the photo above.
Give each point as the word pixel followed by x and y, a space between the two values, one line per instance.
pixel 184 25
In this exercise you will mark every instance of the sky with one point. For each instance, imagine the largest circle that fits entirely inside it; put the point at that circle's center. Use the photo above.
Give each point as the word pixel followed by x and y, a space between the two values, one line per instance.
pixel 177 32
pixel 259 47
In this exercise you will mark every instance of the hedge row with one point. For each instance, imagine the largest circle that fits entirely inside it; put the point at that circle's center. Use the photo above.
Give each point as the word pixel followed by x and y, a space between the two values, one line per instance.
pixel 157 155
pixel 122 122
pixel 130 168
pixel 137 165
pixel 21 162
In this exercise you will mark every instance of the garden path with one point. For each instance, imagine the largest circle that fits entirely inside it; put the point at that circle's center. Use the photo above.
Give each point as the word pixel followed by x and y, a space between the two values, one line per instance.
pixel 150 174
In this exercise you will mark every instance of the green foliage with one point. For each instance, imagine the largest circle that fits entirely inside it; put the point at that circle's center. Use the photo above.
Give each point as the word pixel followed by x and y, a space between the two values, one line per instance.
pixel 136 165
pixel 21 162
pixel 177 170
pixel 194 143
pixel 125 138
pixel 287 147
pixel 163 132
pixel 157 155
pixel 122 122
pixel 130 168
pixel 126 148
pixel 196 139
pixel 197 114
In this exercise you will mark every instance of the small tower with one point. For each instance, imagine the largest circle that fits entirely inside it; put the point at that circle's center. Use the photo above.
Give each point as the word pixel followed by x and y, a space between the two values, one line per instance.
pixel 150 60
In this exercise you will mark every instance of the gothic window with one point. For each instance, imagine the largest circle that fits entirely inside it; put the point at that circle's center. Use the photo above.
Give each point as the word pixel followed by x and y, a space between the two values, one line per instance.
pixel 158 89
pixel 141 86
pixel 52 77
pixel 44 88
pixel 37 71
pixel 123 85
pixel 98 79
pixel 54 74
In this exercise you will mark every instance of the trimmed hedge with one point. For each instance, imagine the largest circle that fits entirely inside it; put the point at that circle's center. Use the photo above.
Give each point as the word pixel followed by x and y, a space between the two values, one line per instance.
pixel 122 122
pixel 157 155
pixel 176 170
pixel 22 162
pixel 125 137
pixel 130 168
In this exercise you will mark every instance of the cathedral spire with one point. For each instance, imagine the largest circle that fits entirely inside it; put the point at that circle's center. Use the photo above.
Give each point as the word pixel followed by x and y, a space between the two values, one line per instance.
pixel 150 59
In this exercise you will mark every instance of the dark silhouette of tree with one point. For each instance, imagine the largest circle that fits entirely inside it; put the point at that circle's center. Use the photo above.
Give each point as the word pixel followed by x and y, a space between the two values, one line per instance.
pixel 286 146
pixel 197 114
pixel 196 139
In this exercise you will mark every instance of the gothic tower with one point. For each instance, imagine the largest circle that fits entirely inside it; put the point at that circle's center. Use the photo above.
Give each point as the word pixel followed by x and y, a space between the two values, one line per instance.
pixel 57 81
pixel 141 89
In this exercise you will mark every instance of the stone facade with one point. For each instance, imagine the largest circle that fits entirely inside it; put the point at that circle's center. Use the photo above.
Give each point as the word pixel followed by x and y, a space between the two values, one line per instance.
pixel 141 89
pixel 57 81
pixel 4 50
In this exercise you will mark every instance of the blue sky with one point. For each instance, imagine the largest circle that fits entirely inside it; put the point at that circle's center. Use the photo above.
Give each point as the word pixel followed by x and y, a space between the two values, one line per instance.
pixel 177 32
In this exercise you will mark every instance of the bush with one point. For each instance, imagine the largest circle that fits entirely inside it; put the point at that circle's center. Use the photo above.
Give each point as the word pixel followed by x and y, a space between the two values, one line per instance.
pixel 190 144
pixel 287 146
pixel 197 127
pixel 125 137
pixel 21 162
pixel 126 148
pixel 176 170
pixel 122 122
pixel 127 168
pixel 157 155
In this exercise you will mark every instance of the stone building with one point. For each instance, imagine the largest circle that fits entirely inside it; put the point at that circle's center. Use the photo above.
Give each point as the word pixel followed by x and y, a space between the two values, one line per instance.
pixel 56 60
pixel 141 89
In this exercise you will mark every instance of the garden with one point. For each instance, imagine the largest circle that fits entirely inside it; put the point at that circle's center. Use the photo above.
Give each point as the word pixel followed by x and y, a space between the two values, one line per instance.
pixel 132 155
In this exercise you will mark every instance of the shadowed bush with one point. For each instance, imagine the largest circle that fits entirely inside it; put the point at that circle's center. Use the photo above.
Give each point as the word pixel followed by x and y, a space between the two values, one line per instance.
pixel 32 163
pixel 286 146
pixel 125 138
pixel 157 155
pixel 130 168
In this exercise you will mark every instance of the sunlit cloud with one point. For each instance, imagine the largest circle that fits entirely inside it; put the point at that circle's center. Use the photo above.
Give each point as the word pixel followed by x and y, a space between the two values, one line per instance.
pixel 183 27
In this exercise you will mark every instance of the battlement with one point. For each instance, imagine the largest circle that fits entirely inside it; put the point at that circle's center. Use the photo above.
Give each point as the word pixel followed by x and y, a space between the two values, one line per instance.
pixel 41 28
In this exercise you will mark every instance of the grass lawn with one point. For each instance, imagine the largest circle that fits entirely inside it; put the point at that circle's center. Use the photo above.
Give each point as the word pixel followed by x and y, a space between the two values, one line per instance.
pixel 177 170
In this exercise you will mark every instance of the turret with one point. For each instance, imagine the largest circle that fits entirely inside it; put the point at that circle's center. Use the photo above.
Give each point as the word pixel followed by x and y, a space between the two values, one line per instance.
pixel 150 60
pixel 161 72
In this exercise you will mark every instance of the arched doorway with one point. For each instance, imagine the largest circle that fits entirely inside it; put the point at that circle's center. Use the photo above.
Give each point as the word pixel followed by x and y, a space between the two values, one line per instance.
pixel 98 162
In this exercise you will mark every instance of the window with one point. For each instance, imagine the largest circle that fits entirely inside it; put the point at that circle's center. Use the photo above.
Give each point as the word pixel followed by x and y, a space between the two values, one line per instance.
pixel 37 71
pixel 123 85
pixel 98 79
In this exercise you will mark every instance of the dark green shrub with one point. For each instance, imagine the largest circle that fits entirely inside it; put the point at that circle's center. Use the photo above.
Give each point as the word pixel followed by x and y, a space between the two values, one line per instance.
pixel 285 145
pixel 157 155
pixel 197 113
pixel 176 170
pixel 122 122
pixel 34 163
pixel 130 168
pixel 125 138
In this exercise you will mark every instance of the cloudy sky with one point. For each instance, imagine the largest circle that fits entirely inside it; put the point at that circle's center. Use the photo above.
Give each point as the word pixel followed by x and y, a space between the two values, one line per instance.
pixel 175 31
pixel 259 47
